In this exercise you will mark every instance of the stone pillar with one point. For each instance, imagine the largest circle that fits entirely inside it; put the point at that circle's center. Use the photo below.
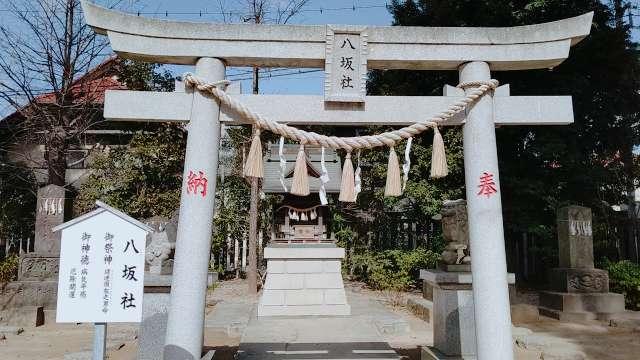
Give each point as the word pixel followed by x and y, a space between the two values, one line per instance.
pixel 486 234
pixel 189 285
pixel 575 238
pixel 50 213
pixel 579 291
pixel 155 307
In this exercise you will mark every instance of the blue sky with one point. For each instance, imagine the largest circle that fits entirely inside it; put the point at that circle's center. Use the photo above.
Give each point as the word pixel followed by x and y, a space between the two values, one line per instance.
pixel 367 12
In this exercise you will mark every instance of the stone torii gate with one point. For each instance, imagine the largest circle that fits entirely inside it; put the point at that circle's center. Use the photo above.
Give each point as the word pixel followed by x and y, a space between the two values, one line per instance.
pixel 473 52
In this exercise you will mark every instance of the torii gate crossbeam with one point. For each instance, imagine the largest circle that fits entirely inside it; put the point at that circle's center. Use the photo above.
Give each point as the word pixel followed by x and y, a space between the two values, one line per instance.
pixel 474 52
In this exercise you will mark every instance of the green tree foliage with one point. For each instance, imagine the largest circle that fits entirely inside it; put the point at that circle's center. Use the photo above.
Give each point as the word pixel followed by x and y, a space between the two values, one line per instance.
pixel 392 269
pixel 18 193
pixel 8 269
pixel 589 162
pixel 624 278
pixel 143 178
pixel 233 194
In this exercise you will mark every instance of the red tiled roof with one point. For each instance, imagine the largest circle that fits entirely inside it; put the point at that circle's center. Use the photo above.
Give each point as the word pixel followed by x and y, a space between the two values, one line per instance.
pixel 90 87
pixel 92 90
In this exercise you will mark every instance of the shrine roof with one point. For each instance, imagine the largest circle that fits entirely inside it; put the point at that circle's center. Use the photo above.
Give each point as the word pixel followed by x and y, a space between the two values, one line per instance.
pixel 271 182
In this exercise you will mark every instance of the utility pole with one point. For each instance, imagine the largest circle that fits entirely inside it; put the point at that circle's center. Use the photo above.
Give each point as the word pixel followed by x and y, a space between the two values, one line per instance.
pixel 252 265
pixel 252 262
pixel 261 11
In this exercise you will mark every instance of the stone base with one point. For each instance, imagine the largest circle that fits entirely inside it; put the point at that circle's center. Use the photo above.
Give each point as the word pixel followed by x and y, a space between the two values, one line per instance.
pixel 431 353
pixel 28 303
pixel 582 302
pixel 580 306
pixel 50 316
pixel 456 267
pixel 18 294
pixel 38 267
pixel 420 307
pixel 155 312
pixel 456 277
pixel 303 281
pixel 569 280
pixel 453 314
pixel 26 316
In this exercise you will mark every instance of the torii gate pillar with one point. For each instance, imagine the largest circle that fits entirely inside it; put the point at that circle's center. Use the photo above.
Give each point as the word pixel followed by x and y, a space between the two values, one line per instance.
pixel 486 233
pixel 185 326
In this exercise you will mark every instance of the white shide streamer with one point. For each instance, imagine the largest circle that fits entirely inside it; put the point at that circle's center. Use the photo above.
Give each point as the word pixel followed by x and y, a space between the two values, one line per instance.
pixel 324 178
pixel 283 164
pixel 407 163
pixel 358 180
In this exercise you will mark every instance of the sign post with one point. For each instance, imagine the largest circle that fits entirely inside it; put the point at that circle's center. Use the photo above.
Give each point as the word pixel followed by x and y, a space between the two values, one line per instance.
pixel 99 341
pixel 101 271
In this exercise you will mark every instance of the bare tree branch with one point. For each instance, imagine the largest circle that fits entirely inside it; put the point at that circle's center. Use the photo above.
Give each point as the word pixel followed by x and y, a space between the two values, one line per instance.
pixel 43 53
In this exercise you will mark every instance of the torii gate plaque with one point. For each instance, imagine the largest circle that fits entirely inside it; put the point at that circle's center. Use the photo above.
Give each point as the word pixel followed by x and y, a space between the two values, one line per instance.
pixel 474 52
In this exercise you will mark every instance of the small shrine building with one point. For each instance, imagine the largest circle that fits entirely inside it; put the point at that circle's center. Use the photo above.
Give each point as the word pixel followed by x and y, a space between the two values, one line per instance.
pixel 300 219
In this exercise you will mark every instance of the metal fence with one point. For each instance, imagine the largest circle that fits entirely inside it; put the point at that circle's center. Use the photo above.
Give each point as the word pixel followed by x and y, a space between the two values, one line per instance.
pixel 395 232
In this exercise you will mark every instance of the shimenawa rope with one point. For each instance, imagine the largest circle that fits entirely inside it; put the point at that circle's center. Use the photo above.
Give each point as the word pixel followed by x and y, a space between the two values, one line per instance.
pixel 300 186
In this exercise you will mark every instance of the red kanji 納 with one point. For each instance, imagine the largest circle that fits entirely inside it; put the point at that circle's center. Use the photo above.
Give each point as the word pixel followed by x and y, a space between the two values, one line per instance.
pixel 197 181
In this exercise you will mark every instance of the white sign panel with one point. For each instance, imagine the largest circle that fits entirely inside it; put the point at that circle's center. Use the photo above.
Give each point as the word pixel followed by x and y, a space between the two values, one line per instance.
pixel 101 270
pixel 345 64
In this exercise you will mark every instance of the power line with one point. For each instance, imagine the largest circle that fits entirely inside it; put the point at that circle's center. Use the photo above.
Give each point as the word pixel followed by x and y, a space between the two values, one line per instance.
pixel 278 75
pixel 167 13
pixel 261 71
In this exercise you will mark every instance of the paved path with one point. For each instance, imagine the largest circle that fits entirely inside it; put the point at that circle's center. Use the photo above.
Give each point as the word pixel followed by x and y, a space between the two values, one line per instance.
pixel 363 335
pixel 351 337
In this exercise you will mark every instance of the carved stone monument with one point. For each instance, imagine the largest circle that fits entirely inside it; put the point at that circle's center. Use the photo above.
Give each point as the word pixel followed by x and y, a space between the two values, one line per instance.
pixel 35 293
pixel 579 291
pixel 449 289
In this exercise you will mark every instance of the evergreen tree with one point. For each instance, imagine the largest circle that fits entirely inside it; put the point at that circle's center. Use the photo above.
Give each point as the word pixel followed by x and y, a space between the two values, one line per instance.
pixel 590 162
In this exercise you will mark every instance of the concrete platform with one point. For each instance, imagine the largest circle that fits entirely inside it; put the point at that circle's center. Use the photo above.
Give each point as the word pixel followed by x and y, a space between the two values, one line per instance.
pixel 303 281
